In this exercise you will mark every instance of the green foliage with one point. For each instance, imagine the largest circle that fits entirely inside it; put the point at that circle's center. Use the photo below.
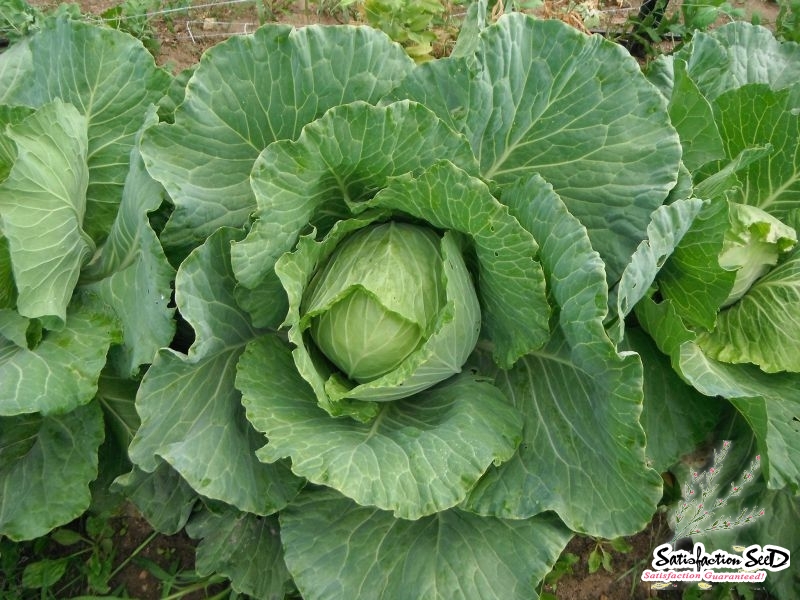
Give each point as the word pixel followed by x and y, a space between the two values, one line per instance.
pixel 787 25
pixel 408 22
pixel 83 559
pixel 656 24
pixel 583 206
pixel 603 553
pixel 564 567
pixel 17 19
pixel 79 557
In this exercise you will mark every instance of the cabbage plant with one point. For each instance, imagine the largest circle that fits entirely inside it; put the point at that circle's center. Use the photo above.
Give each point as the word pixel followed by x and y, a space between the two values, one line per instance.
pixel 725 306
pixel 84 283
pixel 399 279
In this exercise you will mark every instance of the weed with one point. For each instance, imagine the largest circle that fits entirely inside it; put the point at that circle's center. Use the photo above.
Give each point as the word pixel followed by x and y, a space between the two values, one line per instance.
pixel 82 559
pixel 787 25
pixel 562 568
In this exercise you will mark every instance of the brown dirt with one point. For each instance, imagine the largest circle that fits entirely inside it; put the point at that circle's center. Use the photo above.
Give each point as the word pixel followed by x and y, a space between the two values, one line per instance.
pixel 167 555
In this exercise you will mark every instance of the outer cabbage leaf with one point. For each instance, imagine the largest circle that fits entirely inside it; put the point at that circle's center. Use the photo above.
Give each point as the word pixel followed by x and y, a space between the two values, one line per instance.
pixel 163 497
pixel 737 54
pixel 337 549
pixel 61 371
pixel 46 464
pixel 670 223
pixel 243 547
pixel 581 399
pixel 771 183
pixel 112 80
pixel 248 92
pixel 42 209
pixel 692 277
pixel 131 274
pixel 17 60
pixel 769 402
pixel 540 97
pixel 190 410
pixel 693 118
pixel 417 457
pixel 338 162
pixel 675 416
pixel 8 150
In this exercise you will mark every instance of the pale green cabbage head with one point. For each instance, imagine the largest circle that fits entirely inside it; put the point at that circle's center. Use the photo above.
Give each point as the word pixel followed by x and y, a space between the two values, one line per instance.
pixel 394 301
pixel 377 298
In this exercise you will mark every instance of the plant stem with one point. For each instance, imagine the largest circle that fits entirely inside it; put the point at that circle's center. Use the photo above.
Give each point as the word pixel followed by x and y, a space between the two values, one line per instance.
pixel 141 547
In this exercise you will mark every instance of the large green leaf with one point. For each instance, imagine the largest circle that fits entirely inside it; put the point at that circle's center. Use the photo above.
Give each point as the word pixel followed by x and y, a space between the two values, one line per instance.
pixel 62 370
pixel 163 496
pixel 670 223
pixel 417 457
pixel 46 464
pixel 769 402
pixel 540 97
pixel 692 277
pixel 336 549
pixel 16 62
pixel 190 410
pixel 773 182
pixel 339 161
pixel 8 150
pixel 581 399
pixel 131 274
pixel 243 547
pixel 738 54
pixel 111 79
pixel 510 280
pixel 42 209
pixel 675 416
pixel 693 118
pixel 248 92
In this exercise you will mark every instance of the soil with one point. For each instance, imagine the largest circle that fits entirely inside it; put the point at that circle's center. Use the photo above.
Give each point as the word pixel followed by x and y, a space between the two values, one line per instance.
pixel 180 31
pixel 178 36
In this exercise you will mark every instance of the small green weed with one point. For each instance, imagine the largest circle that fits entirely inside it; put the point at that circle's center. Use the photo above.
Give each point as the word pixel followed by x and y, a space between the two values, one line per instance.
pixel 645 33
pixel 68 558
pixel 137 18
pixel 562 568
pixel 83 560
pixel 603 551
pixel 787 25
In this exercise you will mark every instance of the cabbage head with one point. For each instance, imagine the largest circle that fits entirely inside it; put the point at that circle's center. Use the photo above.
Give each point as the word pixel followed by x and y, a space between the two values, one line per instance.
pixel 382 297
